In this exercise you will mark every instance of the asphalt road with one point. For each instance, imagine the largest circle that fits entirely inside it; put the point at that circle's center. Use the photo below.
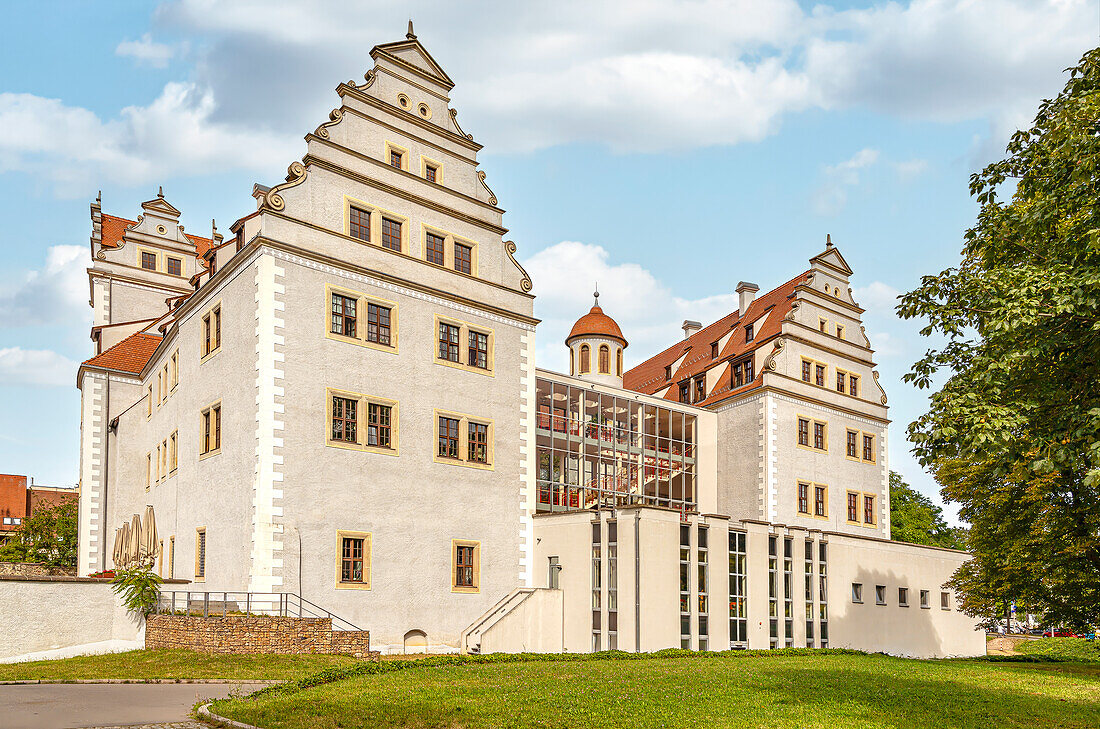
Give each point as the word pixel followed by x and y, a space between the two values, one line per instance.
pixel 64 706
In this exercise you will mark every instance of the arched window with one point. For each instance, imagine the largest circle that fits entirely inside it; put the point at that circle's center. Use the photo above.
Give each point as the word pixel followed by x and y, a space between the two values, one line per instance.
pixel 619 361
pixel 605 360
pixel 571 372
pixel 584 359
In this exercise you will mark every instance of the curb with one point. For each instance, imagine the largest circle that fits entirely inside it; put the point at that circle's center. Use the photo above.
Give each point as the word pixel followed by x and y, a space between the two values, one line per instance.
pixel 211 681
pixel 205 713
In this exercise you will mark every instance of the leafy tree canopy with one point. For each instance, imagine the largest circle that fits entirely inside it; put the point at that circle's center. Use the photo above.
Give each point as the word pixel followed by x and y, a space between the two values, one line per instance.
pixel 48 536
pixel 916 519
pixel 1013 434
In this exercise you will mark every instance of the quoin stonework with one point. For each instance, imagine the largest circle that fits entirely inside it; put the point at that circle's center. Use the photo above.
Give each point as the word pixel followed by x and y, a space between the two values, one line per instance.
pixel 338 397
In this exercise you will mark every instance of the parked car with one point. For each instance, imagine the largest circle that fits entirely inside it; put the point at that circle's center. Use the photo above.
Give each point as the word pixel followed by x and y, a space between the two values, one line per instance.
pixel 1035 631
pixel 1059 634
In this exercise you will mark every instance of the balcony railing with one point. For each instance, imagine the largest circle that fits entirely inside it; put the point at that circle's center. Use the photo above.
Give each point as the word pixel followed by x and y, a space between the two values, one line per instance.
pixel 224 604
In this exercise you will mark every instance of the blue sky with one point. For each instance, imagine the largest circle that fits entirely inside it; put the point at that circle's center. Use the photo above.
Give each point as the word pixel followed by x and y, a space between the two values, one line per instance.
pixel 667 149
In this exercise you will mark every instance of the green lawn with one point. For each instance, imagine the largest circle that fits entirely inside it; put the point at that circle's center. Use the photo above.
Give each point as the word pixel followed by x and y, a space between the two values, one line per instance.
pixel 171 664
pixel 1074 649
pixel 830 691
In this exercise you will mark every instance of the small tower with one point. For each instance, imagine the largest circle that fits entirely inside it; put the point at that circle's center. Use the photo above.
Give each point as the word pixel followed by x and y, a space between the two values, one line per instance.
pixel 596 347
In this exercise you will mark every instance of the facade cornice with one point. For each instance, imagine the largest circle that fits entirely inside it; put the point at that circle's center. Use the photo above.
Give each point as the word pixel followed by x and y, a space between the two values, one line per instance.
pixel 799 399
pixel 98 274
pixel 403 194
pixel 826 348
pixel 509 247
pixel 345 89
pixel 327 141
pixel 104 373
pixel 384 124
pixel 805 288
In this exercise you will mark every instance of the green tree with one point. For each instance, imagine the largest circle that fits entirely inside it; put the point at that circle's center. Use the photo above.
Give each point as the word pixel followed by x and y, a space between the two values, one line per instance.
pixel 48 536
pixel 916 519
pixel 1013 434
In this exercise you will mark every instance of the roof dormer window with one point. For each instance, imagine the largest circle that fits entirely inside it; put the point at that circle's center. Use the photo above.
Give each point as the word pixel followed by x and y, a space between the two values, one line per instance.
pixel 748 333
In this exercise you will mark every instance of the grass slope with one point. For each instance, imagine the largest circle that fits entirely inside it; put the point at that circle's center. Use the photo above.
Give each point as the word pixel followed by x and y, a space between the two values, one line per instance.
pixel 171 664
pixel 833 691
pixel 1072 649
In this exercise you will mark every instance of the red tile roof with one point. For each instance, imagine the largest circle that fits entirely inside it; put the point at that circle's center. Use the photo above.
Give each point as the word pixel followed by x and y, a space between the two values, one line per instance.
pixel 649 376
pixel 129 355
pixel 597 323
pixel 113 227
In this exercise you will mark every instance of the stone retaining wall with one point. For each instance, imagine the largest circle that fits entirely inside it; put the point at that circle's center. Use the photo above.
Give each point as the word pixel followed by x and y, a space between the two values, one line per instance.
pixel 255 634
pixel 32 569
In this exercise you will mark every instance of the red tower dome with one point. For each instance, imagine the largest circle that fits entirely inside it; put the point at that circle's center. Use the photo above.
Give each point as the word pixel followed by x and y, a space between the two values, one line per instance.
pixel 596 324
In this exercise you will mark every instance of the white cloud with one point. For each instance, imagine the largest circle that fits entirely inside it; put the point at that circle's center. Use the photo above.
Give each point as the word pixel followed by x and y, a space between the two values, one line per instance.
pixel 146 51
pixel 877 298
pixel 173 136
pixel 37 367
pixel 645 308
pixel 909 169
pixel 56 294
pixel 832 195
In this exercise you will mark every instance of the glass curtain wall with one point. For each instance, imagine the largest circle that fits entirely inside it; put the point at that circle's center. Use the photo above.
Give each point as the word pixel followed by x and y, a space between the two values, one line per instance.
pixel 596 449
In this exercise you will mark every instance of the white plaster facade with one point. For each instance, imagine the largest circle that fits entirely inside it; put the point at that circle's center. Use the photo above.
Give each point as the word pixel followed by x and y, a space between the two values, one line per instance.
pixel 285 486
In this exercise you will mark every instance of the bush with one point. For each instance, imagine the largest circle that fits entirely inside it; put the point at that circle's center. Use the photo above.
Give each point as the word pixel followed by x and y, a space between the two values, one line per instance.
pixel 139 588
pixel 1064 649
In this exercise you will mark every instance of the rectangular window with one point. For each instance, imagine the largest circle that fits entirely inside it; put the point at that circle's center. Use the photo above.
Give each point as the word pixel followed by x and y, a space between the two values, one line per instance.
pixel 853 385
pixel 857 592
pixel 211 436
pixel 463 258
pixel 175 266
pixel 395 159
pixel 701 389
pixel 880 594
pixel 448 437
pixel 748 333
pixel 839 381
pixel 851 447
pixel 466 566
pixel 430 173
pixel 668 372
pixel 714 350
pixel 343 315
pixel 378 324
pixel 479 350
pixel 478 446
pixel 149 261
pixel 359 220
pixel 351 560
pixel 748 371
pixel 148 470
pixel 819 375
pixel 212 331
pixel 945 600
pixel 819 436
pixel 685 392
pixel 175 447
pixel 869 448
pixel 822 324
pixel 853 507
pixel 819 501
pixel 344 419
pixel 738 375
pixel 840 331
pixel 924 599
pixel 434 249
pixel 448 342
pixel 903 597
pixel 806 365
pixel 378 425
pixel 391 234
pixel 175 369
pixel 868 509
pixel 803 432
pixel 200 554
pixel 803 498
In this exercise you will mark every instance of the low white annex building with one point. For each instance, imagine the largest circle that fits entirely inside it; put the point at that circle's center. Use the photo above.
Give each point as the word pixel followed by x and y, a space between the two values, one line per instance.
pixel 339 399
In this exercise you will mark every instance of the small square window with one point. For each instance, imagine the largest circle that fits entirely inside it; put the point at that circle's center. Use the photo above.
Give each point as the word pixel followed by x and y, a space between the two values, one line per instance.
pixel 395 158
pixel 434 249
pixel 924 599
pixel 880 594
pixel 903 597
pixel 149 261
pixel 391 234
pixel 857 592
pixel 463 258
pixel 945 600
pixel 175 266
pixel 360 224
pixel 430 173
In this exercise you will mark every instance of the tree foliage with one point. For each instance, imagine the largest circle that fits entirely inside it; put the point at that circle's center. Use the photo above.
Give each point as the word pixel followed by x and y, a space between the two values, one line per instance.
pixel 914 518
pixel 48 536
pixel 139 588
pixel 1013 435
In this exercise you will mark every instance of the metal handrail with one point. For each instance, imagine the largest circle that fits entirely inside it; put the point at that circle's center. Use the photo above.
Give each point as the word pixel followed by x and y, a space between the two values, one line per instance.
pixel 281 604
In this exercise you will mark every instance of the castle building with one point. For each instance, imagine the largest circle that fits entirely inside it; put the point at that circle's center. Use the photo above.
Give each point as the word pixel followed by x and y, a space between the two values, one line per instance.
pixel 340 400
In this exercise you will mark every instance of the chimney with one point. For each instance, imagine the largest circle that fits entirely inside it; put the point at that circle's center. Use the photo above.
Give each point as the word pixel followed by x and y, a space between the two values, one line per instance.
pixel 690 327
pixel 746 292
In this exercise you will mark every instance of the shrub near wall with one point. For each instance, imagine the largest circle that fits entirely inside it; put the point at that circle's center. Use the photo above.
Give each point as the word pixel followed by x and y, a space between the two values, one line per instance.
pixel 255 634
